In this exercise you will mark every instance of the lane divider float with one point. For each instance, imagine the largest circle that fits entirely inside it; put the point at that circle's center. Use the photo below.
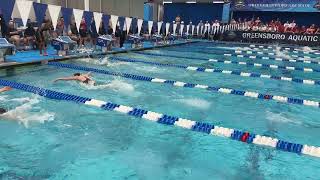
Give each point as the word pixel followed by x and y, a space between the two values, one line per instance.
pixel 203 127
pixel 211 70
pixel 222 90
pixel 272 66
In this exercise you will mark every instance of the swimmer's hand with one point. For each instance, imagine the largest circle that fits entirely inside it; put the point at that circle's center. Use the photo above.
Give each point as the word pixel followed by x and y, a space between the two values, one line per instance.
pixel 7 88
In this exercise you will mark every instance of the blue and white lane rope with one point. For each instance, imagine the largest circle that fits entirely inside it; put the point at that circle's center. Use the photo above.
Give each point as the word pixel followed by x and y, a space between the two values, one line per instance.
pixel 272 66
pixel 272 58
pixel 203 127
pixel 252 55
pixel 294 50
pixel 209 70
pixel 223 90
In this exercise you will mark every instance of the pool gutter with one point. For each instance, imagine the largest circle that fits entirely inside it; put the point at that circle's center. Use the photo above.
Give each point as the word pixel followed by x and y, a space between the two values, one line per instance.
pixel 17 64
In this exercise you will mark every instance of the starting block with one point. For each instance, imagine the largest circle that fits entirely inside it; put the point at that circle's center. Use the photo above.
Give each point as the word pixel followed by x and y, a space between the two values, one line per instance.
pixel 6 49
pixel 63 44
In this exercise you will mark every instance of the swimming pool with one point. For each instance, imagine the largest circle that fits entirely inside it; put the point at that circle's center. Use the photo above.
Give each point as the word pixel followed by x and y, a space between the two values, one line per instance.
pixel 66 140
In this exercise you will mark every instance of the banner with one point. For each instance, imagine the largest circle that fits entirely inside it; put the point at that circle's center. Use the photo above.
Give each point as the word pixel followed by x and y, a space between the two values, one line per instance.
pixel 128 23
pixel 269 37
pixel 54 12
pixel 6 9
pixel 24 8
pixel 88 15
pixel 77 13
pixel 167 28
pixel 106 19
pixel 66 14
pixel 40 11
pixel 150 25
pixel 140 22
pixel 276 5
pixel 97 19
pixel 159 27
pixel 114 21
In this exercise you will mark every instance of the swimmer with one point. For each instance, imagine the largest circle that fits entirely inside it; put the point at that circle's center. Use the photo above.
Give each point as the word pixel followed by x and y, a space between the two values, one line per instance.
pixel 4 89
pixel 84 78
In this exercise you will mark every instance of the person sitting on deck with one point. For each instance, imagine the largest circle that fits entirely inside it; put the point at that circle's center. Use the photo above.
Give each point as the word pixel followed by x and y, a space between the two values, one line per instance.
pixel 84 78
pixel 13 34
pixel 29 35
pixel 4 89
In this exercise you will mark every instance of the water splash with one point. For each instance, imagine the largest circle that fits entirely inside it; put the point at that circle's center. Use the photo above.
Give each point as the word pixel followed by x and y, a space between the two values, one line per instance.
pixel 280 118
pixel 28 112
pixel 196 103
pixel 281 54
pixel 116 85
pixel 307 49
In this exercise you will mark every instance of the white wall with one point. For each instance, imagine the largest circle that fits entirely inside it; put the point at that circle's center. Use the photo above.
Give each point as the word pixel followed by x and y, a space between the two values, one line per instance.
pixel 127 8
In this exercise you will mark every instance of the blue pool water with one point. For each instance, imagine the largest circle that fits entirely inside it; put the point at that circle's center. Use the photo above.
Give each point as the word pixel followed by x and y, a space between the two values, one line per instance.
pixel 63 140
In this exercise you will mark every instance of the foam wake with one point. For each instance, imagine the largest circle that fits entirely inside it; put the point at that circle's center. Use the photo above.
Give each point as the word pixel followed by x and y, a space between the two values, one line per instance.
pixel 196 103
pixel 28 112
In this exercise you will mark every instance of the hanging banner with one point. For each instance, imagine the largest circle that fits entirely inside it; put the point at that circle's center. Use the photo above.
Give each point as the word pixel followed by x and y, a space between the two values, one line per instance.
pixel 77 13
pixel 174 28
pixel 54 12
pixel 6 9
pixel 40 11
pixel 276 5
pixel 181 29
pixel 66 14
pixel 24 8
pixel 167 28
pixel 88 15
pixel 198 28
pixel 114 21
pixel 106 19
pixel 97 19
pixel 150 25
pixel 188 27
pixel 159 27
pixel 192 30
pixel 134 25
pixel 269 37
pixel 121 22
pixel 140 22
pixel 128 23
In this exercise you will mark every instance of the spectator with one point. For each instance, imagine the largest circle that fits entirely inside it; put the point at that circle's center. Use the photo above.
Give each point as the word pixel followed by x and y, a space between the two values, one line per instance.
pixel 318 31
pixel 13 34
pixel 257 21
pixel 83 32
pixel 29 35
pixel 178 19
pixel 60 27
pixel 3 27
pixel 73 33
pixel 311 29
pixel 303 30
pixel 93 33
pixel 43 36
pixel 102 30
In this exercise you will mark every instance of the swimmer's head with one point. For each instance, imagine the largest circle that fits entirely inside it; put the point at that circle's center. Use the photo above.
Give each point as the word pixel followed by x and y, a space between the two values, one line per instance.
pixel 2 111
pixel 76 74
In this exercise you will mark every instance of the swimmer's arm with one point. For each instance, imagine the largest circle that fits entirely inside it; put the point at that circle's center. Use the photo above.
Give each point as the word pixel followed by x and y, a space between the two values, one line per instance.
pixel 4 89
pixel 66 79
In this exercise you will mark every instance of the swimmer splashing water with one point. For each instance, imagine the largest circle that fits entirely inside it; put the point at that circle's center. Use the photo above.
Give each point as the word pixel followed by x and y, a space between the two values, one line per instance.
pixel 84 78
pixel 4 89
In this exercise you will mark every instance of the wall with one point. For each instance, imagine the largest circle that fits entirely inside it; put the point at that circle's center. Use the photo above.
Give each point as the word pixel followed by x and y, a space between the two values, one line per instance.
pixel 127 8
pixel 192 12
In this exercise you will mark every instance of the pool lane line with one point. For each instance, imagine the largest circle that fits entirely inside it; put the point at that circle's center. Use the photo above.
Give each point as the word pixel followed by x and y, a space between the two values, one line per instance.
pixel 207 128
pixel 272 66
pixel 264 47
pixel 300 60
pixel 252 55
pixel 222 90
pixel 209 70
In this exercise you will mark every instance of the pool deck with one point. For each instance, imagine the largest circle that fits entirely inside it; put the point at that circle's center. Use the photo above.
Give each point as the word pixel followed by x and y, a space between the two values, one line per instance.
pixel 33 57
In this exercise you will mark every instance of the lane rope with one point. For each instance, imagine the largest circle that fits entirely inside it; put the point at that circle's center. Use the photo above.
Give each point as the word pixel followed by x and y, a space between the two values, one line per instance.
pixel 203 127
pixel 272 66
pixel 223 90
pixel 210 70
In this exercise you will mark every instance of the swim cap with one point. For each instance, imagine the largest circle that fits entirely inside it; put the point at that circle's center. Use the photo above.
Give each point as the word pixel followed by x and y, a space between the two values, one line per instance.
pixel 2 111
